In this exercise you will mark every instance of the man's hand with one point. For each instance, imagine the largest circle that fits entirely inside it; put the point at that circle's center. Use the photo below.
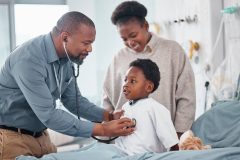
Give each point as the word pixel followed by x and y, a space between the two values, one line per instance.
pixel 120 127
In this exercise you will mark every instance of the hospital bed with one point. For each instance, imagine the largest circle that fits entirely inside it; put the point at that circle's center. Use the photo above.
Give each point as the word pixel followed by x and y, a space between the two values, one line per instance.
pixel 218 127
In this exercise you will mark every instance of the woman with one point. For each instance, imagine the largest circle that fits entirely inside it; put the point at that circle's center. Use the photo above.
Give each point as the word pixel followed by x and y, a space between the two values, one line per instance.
pixel 177 88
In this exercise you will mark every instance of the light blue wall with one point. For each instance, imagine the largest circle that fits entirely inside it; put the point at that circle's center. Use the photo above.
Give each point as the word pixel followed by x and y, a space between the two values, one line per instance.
pixel 108 41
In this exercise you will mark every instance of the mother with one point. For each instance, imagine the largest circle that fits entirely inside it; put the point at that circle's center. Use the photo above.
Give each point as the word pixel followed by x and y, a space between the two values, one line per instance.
pixel 177 85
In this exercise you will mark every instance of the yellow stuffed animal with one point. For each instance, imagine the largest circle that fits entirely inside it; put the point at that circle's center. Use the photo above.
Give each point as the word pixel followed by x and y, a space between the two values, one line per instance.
pixel 189 142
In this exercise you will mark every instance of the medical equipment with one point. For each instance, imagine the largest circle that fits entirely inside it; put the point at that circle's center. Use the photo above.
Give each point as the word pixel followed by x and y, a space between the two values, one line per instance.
pixel 188 19
pixel 111 139
pixel 75 60
pixel 75 75
pixel 231 10
pixel 219 125
pixel 134 122
pixel 194 46
pixel 206 95
pixel 237 92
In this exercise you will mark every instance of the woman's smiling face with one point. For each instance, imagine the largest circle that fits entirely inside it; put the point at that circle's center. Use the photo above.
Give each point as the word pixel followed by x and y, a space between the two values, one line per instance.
pixel 134 34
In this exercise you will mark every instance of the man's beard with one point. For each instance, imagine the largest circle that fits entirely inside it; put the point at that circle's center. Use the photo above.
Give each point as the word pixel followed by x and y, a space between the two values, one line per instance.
pixel 76 60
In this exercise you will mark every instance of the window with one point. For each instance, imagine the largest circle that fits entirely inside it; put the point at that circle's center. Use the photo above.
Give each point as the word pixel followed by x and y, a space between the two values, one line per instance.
pixel 35 19
pixel 4 33
pixel 32 20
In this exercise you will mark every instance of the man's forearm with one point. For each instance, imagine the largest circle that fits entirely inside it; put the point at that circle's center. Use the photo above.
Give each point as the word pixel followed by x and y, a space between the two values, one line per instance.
pixel 98 130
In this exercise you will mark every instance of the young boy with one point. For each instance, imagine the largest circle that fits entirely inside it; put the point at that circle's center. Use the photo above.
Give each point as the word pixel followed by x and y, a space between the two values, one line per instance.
pixel 154 128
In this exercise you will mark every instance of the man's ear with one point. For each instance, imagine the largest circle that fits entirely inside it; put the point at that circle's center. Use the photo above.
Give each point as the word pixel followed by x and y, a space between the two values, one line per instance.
pixel 64 36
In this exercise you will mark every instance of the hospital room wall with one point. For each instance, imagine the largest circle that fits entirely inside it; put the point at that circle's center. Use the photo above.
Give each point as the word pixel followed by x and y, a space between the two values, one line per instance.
pixel 4 32
pixel 202 28
pixel 107 42
pixel 232 29
pixel 230 67
pixel 204 31
pixel 217 44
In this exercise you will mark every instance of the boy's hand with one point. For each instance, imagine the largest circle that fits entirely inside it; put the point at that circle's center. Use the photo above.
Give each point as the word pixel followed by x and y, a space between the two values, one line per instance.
pixel 109 116
pixel 117 114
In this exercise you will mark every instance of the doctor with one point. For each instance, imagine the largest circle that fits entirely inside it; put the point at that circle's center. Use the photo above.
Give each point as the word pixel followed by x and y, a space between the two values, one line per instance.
pixel 34 76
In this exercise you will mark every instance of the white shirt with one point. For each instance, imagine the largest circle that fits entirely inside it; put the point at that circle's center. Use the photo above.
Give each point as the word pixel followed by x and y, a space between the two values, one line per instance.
pixel 154 129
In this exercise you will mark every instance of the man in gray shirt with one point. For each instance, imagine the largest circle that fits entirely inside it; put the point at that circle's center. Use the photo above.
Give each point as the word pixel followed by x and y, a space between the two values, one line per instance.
pixel 34 76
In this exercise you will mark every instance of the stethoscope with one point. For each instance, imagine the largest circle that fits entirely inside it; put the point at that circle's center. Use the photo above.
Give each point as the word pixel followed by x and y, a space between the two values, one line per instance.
pixel 75 75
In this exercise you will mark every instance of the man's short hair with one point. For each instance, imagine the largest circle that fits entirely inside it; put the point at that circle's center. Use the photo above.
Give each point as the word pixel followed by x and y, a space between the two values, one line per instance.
pixel 70 22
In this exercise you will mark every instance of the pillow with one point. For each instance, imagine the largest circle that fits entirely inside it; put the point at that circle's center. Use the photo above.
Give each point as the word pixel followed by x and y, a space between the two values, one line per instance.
pixel 220 126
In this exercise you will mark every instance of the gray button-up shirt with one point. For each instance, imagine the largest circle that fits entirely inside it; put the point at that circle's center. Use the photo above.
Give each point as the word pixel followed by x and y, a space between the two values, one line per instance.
pixel 28 91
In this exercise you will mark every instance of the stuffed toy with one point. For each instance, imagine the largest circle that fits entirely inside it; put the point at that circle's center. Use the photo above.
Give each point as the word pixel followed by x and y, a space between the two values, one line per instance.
pixel 189 142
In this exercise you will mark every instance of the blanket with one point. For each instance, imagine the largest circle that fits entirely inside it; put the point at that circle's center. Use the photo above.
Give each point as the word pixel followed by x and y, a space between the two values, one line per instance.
pixel 220 126
pixel 100 151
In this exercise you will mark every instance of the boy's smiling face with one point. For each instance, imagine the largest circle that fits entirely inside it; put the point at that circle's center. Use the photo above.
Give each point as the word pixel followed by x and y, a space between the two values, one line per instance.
pixel 136 86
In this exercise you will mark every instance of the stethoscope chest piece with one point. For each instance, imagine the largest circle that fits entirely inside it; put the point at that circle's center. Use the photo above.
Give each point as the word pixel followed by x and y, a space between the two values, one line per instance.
pixel 134 122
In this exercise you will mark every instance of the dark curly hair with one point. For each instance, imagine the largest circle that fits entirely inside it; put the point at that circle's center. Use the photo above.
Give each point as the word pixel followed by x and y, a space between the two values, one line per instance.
pixel 129 10
pixel 150 70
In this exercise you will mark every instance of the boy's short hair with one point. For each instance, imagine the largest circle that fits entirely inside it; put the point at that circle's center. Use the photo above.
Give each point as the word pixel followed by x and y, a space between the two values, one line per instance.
pixel 150 70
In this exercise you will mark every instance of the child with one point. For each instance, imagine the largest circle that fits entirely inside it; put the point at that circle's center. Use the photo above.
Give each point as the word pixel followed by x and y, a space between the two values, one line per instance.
pixel 154 128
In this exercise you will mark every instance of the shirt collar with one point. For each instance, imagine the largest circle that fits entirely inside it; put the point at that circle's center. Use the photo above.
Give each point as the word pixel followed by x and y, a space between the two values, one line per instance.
pixel 152 43
pixel 132 102
pixel 50 49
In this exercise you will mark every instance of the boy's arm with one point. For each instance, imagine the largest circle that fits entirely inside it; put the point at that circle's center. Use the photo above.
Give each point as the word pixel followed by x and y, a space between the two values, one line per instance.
pixel 174 148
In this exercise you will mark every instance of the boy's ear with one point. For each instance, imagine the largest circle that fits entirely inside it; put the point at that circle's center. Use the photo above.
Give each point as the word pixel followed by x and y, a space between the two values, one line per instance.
pixel 149 87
